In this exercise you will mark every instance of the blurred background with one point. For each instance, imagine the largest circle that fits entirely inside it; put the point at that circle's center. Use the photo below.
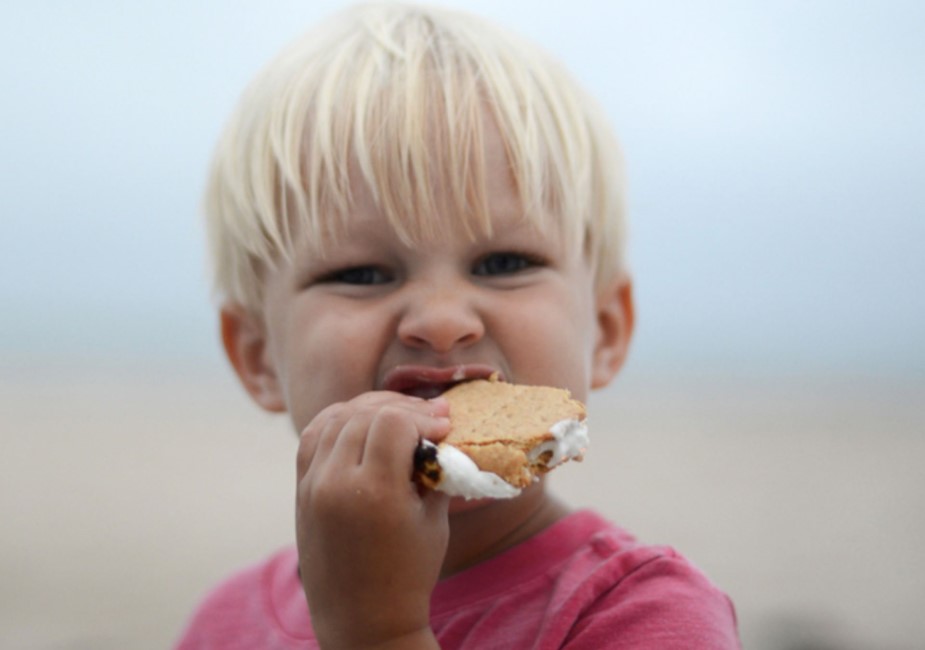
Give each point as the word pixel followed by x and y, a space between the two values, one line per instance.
pixel 769 424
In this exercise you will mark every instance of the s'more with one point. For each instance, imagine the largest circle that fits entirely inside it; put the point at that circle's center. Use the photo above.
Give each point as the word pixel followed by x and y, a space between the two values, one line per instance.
pixel 502 438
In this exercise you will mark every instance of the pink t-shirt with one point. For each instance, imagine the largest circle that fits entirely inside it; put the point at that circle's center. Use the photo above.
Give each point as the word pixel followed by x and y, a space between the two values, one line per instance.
pixel 583 583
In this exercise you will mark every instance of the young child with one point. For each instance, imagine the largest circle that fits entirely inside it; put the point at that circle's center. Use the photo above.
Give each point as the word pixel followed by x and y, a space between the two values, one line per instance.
pixel 407 197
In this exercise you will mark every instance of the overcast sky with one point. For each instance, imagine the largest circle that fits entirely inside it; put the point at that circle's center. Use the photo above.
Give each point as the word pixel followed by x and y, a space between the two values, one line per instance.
pixel 776 152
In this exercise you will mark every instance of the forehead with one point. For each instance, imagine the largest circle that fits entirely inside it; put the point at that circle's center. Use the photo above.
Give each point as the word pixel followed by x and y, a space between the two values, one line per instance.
pixel 367 223
pixel 474 197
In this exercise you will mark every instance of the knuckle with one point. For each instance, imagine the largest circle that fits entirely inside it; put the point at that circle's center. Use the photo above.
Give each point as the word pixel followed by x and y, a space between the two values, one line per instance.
pixel 303 459
pixel 399 424
pixel 331 501
pixel 308 440
pixel 392 417
pixel 331 413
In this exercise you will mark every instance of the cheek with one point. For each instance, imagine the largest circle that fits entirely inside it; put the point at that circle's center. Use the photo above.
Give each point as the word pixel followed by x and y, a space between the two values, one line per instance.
pixel 551 344
pixel 331 359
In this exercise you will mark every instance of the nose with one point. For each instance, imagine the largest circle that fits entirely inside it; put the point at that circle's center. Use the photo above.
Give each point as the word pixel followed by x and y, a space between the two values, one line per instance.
pixel 441 318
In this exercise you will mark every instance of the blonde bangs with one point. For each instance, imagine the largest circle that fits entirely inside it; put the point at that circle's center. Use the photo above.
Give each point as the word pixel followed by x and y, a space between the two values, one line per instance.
pixel 402 98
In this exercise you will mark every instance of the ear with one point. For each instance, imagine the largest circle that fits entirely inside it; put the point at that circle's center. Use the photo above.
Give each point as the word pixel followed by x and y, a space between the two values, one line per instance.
pixel 245 341
pixel 615 320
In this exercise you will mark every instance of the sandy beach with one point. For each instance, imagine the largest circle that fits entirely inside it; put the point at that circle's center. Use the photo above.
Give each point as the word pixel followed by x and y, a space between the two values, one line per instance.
pixel 127 492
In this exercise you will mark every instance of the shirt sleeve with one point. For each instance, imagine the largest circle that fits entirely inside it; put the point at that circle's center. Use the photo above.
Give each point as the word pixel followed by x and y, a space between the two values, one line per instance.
pixel 665 603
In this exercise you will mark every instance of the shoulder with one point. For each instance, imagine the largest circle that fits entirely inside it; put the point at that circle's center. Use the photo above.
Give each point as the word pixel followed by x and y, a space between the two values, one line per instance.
pixel 238 610
pixel 652 595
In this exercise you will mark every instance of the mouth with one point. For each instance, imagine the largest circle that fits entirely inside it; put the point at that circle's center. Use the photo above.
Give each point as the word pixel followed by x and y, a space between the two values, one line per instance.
pixel 429 382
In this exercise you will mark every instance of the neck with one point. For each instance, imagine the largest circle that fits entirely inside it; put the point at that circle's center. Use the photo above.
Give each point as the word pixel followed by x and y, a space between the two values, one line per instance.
pixel 484 531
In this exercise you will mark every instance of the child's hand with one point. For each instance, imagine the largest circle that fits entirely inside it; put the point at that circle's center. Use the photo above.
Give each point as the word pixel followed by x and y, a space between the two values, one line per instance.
pixel 370 545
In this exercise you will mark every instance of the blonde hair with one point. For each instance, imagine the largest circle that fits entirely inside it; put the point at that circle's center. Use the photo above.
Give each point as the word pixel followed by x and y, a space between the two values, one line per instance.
pixel 400 95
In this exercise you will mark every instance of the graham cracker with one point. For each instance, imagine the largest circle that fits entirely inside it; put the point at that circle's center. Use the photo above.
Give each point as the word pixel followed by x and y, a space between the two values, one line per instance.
pixel 496 424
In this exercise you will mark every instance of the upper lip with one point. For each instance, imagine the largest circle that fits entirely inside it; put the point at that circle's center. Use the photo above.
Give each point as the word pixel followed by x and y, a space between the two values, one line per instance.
pixel 405 378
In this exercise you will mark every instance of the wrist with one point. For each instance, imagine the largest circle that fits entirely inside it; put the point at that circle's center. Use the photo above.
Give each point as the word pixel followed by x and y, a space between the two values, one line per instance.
pixel 420 639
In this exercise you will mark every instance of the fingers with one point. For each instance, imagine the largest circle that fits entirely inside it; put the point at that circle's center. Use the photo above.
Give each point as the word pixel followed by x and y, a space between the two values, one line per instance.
pixel 319 438
pixel 436 505
pixel 393 436
pixel 379 429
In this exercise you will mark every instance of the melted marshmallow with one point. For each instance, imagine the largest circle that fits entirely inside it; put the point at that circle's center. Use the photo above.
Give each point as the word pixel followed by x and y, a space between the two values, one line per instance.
pixel 570 440
pixel 460 476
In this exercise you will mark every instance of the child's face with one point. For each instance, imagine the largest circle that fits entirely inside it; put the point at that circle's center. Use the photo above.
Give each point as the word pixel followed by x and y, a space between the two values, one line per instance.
pixel 377 314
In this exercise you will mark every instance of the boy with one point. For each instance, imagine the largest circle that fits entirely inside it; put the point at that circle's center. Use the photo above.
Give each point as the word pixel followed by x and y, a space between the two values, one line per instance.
pixel 404 198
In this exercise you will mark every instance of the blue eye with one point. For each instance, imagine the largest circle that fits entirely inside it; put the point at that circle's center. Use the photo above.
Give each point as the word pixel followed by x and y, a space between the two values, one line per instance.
pixel 503 264
pixel 359 275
